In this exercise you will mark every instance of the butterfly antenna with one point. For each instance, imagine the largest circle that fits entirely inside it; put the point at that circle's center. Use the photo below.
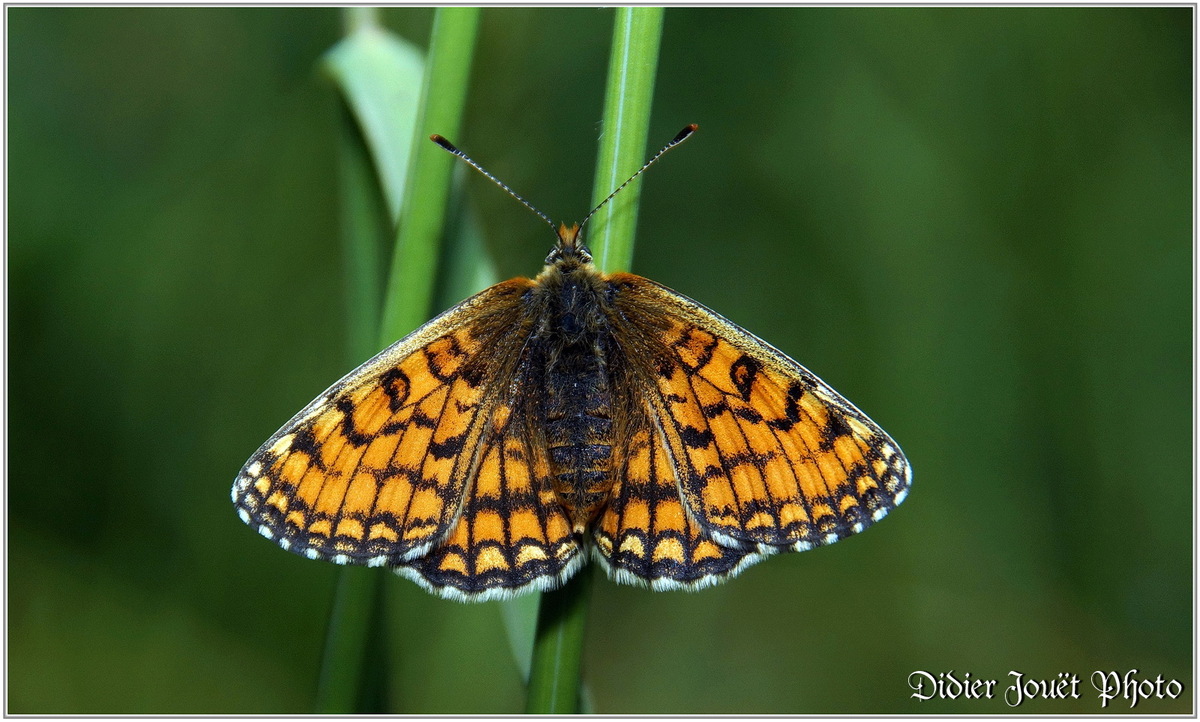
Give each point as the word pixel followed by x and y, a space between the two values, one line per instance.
pixel 679 138
pixel 450 147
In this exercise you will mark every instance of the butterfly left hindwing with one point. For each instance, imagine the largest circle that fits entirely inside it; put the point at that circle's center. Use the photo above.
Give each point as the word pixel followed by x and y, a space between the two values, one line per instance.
pixel 511 534
pixel 646 535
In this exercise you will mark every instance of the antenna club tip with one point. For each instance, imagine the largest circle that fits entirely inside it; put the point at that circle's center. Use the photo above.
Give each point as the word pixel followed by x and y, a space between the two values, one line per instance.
pixel 684 134
pixel 442 141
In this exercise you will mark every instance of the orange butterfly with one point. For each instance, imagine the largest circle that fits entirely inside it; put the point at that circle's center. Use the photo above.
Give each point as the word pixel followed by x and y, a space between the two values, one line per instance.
pixel 487 452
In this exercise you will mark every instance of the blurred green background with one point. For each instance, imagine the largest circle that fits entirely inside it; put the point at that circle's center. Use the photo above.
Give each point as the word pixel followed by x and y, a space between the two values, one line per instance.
pixel 975 223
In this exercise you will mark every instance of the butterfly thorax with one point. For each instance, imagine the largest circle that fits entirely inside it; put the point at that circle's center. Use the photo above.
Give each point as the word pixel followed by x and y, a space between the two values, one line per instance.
pixel 576 405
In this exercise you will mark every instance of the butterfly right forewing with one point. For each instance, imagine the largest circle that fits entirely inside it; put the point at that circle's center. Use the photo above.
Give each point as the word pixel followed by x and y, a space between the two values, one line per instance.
pixel 765 455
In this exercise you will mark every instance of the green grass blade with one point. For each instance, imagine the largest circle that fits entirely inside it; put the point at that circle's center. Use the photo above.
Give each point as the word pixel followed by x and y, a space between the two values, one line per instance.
pixel 630 93
pixel 378 75
pixel 558 648
pixel 353 646
pixel 365 225
pixel 411 281
pixel 520 626
pixel 554 681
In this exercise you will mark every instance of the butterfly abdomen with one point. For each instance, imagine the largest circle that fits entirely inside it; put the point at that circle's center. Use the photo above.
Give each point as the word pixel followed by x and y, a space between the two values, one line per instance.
pixel 578 424
pixel 576 405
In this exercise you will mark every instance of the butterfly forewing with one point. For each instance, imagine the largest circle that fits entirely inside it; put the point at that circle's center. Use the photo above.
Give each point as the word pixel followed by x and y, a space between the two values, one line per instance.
pixel 375 470
pixel 764 452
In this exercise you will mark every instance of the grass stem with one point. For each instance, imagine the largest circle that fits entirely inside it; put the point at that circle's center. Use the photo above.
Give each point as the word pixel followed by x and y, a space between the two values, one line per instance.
pixel 422 214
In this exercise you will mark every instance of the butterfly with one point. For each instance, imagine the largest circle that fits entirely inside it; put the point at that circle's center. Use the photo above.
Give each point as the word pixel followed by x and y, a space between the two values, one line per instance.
pixel 576 415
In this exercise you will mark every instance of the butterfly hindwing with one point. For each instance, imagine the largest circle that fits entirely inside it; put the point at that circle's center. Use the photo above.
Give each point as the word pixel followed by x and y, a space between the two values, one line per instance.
pixel 645 535
pixel 765 453
pixel 512 534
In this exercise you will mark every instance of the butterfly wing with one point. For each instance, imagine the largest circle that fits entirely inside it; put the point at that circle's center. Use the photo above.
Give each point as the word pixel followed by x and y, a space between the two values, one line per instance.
pixel 407 452
pixel 512 535
pixel 764 455
pixel 645 535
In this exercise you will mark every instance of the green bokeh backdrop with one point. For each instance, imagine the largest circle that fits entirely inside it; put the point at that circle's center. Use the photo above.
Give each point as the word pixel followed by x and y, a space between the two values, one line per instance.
pixel 975 223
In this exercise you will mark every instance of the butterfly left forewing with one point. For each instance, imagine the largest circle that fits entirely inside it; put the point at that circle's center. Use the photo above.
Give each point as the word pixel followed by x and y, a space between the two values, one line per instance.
pixel 375 470
pixel 765 453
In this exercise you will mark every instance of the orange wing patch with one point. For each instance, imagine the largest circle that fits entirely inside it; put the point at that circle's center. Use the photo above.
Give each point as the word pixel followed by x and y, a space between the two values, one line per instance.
pixel 375 475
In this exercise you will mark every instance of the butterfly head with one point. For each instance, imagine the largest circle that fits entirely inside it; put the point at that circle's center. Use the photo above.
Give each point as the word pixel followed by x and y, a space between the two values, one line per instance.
pixel 569 250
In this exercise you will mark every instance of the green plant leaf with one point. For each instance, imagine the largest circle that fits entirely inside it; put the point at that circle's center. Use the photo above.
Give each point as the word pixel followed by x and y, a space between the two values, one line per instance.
pixel 632 66
pixel 380 76
pixel 443 96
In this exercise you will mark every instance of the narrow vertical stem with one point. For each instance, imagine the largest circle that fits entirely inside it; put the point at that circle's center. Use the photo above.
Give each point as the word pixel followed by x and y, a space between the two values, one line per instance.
pixel 627 102
pixel 554 679
pixel 365 228
pixel 364 223
pixel 558 648
pixel 422 213
pixel 358 17
pixel 341 686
